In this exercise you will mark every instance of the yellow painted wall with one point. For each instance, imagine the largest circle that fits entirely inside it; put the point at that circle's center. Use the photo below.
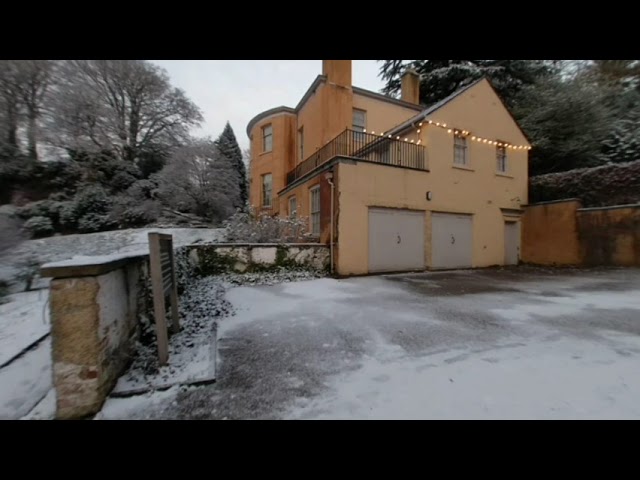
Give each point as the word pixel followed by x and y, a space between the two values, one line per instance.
pixel 277 162
pixel 477 190
pixel 381 115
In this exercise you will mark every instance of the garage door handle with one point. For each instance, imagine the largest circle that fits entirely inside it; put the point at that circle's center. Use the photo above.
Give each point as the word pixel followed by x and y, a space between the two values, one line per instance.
pixel 453 239
pixel 399 239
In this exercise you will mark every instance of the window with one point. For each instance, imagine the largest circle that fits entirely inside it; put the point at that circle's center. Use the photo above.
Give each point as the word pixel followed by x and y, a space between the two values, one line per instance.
pixel 359 120
pixel 293 207
pixel 301 143
pixel 315 209
pixel 459 149
pixel 267 138
pixel 501 159
pixel 266 190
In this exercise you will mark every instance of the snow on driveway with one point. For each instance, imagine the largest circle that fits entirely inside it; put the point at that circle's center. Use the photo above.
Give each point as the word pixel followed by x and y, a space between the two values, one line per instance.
pixel 490 344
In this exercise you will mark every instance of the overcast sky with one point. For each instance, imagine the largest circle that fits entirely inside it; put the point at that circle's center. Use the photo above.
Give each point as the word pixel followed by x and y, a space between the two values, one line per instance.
pixel 237 90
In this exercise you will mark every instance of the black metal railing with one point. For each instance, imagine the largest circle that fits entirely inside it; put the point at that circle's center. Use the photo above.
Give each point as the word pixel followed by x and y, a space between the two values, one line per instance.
pixel 364 146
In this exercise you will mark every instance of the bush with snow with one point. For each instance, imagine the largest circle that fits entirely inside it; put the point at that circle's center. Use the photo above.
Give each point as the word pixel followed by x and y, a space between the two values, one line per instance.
pixel 39 227
pixel 612 184
pixel 251 228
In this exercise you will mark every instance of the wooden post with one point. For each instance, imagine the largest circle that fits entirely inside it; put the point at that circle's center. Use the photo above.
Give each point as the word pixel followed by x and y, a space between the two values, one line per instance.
pixel 155 269
pixel 175 319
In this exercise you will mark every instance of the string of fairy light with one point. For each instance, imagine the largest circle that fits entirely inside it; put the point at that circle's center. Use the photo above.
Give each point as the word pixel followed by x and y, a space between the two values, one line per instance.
pixel 457 131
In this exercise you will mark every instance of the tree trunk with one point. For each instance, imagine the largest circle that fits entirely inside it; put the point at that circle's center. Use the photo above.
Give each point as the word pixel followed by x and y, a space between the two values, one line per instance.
pixel 32 136
pixel 12 127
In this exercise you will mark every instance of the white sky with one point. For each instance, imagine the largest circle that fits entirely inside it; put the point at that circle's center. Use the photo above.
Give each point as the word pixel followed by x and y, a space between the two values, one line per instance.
pixel 237 90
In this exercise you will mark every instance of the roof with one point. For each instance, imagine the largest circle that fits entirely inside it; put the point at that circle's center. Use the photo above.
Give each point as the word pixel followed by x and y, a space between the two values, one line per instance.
pixel 438 105
pixel 312 88
pixel 429 110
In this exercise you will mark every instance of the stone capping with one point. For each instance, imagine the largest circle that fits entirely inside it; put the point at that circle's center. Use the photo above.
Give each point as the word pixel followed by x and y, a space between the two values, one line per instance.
pixel 89 266
pixel 99 265
pixel 553 201
pixel 613 207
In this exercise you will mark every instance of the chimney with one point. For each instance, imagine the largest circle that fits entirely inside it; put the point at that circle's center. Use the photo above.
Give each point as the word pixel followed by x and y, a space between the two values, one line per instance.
pixel 337 71
pixel 410 86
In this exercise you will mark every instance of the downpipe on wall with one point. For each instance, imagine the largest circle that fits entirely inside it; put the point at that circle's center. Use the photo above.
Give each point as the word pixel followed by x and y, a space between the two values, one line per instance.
pixel 329 177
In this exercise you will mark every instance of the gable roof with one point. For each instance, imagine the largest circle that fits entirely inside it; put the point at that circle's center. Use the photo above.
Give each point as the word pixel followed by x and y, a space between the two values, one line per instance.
pixel 438 105
pixel 429 110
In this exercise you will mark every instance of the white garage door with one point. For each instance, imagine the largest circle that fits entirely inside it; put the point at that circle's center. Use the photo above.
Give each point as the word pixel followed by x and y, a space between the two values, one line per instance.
pixel 451 240
pixel 396 240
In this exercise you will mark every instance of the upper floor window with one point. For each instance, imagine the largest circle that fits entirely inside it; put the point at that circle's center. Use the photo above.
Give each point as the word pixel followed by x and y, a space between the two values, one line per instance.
pixel 359 120
pixel 267 138
pixel 501 159
pixel 460 149
pixel 266 190
pixel 314 202
pixel 301 143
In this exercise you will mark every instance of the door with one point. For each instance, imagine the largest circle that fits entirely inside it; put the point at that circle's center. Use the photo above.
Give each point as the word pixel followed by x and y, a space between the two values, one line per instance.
pixel 451 240
pixel 511 243
pixel 396 240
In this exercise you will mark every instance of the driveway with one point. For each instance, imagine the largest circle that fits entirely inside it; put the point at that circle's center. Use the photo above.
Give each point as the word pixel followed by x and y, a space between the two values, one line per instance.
pixel 482 344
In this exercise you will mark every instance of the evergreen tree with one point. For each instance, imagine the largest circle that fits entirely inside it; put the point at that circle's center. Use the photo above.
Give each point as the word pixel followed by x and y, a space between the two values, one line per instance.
pixel 623 142
pixel 440 78
pixel 228 146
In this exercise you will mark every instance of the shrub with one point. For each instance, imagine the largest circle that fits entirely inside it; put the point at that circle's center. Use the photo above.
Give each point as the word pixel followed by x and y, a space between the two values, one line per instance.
pixel 612 184
pixel 95 222
pixel 247 227
pixel 39 227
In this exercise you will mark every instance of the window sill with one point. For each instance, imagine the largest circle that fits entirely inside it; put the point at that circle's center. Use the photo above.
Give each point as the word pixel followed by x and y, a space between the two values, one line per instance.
pixel 506 175
pixel 264 153
pixel 462 167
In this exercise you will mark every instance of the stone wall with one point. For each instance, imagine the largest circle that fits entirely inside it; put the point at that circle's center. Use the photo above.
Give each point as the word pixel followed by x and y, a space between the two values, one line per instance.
pixel 240 258
pixel 94 323
pixel 96 304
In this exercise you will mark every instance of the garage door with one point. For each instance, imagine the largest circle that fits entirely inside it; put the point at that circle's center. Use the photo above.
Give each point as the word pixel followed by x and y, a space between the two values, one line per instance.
pixel 396 240
pixel 451 240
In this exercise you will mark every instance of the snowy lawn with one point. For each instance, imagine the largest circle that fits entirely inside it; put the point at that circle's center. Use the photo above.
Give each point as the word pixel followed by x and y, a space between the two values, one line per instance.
pixel 493 344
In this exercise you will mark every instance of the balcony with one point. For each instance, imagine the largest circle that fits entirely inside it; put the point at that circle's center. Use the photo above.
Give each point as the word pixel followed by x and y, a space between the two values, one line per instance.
pixel 365 147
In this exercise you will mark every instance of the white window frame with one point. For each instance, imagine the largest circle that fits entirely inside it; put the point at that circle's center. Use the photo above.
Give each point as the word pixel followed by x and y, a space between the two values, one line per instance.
pixel 460 150
pixel 501 159
pixel 293 211
pixel 267 137
pixel 314 210
pixel 357 127
pixel 266 199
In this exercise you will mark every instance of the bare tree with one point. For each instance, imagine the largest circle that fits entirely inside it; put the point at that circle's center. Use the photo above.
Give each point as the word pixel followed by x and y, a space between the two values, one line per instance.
pixel 124 105
pixel 199 179
pixel 10 101
pixel 35 80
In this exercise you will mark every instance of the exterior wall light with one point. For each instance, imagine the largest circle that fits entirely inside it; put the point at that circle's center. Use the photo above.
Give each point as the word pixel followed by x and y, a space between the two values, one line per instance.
pixel 429 196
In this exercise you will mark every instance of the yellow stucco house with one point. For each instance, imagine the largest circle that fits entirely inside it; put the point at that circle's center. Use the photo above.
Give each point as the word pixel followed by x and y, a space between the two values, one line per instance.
pixel 393 186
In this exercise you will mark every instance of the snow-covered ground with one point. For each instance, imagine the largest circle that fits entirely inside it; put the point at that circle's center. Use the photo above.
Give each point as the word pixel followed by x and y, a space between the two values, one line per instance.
pixel 64 247
pixel 24 319
pixel 451 345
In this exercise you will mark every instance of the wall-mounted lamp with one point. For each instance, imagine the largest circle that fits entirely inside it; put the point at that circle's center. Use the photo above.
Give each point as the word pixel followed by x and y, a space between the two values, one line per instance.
pixel 328 175
pixel 429 196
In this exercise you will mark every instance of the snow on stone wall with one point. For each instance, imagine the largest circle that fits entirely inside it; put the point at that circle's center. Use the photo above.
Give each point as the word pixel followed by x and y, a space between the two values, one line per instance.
pixel 225 258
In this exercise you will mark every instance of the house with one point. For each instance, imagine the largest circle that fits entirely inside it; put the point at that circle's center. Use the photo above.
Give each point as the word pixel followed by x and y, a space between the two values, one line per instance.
pixel 390 184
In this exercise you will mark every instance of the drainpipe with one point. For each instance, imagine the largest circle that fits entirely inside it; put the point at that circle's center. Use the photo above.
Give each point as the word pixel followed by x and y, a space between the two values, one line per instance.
pixel 329 177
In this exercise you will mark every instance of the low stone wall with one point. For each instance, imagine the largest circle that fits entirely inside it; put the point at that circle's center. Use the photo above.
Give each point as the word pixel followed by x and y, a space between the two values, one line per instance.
pixel 240 258
pixel 94 305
